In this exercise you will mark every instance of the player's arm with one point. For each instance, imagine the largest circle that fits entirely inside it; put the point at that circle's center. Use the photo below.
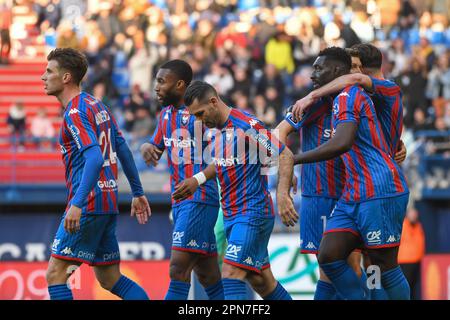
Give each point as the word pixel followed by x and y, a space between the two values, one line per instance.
pixel 282 131
pixel 341 143
pixel 332 87
pixel 285 204
pixel 91 171
pixel 187 187
pixel 153 150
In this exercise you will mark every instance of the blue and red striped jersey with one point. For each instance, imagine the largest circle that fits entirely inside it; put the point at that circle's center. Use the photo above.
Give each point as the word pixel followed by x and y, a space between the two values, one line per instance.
pixel 371 172
pixel 325 178
pixel 184 140
pixel 88 122
pixel 242 152
pixel 387 98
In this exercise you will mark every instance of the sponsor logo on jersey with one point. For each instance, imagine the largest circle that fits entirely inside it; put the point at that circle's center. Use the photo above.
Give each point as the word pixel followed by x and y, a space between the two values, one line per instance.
pixel 374 237
pixel 176 236
pixel 73 111
pixel 67 251
pixel 102 117
pixel 232 251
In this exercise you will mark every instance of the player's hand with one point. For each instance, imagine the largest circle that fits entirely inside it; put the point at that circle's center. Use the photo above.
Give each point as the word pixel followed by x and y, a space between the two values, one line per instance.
pixel 141 209
pixel 286 209
pixel 294 183
pixel 400 155
pixel 185 189
pixel 151 154
pixel 72 219
pixel 300 106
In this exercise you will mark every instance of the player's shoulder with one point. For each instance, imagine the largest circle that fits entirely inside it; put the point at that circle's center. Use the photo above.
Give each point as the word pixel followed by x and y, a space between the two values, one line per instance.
pixel 245 120
pixel 384 82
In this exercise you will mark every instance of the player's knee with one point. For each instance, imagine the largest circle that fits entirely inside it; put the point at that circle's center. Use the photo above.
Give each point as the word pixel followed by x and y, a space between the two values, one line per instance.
pixel 207 277
pixel 55 275
pixel 179 272
pixel 232 272
pixel 262 285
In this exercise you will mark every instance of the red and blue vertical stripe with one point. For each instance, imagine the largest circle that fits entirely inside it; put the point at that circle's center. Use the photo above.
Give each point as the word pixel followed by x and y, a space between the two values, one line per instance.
pixel 244 189
pixel 371 172
pixel 88 122
pixel 387 98
pixel 325 178
pixel 175 133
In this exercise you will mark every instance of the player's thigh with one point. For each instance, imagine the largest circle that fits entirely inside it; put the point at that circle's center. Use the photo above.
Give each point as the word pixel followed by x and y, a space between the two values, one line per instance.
pixel 341 235
pixel 248 236
pixel 314 214
pixel 194 228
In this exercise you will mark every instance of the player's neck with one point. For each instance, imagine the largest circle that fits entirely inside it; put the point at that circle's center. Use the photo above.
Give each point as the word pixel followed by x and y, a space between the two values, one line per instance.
pixel 67 95
pixel 376 73
pixel 224 113
pixel 178 104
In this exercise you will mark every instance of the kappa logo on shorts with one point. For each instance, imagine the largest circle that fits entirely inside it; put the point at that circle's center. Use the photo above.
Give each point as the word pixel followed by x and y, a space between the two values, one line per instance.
pixel 391 238
pixel 192 243
pixel 374 237
pixel 310 245
pixel 232 251
pixel 249 261
pixel 67 251
pixel 176 236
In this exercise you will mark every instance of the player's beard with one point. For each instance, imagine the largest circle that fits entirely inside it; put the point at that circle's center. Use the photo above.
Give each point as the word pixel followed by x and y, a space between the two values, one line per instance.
pixel 170 99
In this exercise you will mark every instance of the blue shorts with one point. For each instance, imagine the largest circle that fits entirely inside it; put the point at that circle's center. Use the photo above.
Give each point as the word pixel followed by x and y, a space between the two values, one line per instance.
pixel 314 214
pixel 248 237
pixel 95 243
pixel 193 229
pixel 377 222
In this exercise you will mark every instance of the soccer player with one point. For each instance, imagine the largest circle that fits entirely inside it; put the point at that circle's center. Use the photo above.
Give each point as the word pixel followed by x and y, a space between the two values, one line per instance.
pixel 322 182
pixel 90 143
pixel 245 198
pixel 385 94
pixel 386 97
pixel 193 240
pixel 375 196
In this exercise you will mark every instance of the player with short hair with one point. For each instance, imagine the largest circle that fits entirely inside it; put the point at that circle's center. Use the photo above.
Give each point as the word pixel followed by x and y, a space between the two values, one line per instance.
pixel 246 201
pixel 385 94
pixel 375 196
pixel 193 240
pixel 90 143
pixel 322 182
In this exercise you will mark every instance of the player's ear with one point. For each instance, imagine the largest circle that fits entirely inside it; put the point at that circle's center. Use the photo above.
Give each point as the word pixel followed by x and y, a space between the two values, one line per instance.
pixel 67 77
pixel 180 84
pixel 213 100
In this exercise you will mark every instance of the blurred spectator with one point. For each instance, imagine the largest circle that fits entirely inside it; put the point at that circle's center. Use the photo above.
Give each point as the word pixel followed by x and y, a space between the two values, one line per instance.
pixel 412 82
pixel 137 100
pixel 242 81
pixel 264 112
pixel 438 87
pixel 141 64
pixel 279 53
pixel 241 102
pixel 93 41
pixel 67 37
pixel 407 15
pixel 412 250
pixel 426 53
pixel 421 122
pixel 220 78
pixel 41 129
pixel 302 84
pixel 108 23
pixel 5 25
pixel 396 53
pixel 17 125
pixel 48 11
pixel 143 127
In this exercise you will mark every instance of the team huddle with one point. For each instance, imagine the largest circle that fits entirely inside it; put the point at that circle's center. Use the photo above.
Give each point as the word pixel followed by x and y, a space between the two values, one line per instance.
pixel 354 193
